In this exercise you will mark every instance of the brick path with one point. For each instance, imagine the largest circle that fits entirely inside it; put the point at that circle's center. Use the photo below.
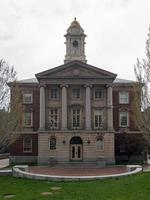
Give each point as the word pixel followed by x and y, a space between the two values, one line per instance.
pixel 77 171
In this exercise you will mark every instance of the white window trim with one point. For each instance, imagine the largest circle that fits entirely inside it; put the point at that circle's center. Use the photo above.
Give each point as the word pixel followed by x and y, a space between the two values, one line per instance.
pixel 31 120
pixel 123 92
pixel 27 94
pixel 120 125
pixel 25 151
pixel 102 112
pixel 73 127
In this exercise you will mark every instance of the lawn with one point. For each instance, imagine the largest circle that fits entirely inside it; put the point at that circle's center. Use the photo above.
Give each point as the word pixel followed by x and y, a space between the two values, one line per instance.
pixel 136 187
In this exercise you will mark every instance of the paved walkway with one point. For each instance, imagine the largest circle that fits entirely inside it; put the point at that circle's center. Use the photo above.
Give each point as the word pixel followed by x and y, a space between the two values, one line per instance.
pixel 77 171
pixel 146 168
pixel 4 163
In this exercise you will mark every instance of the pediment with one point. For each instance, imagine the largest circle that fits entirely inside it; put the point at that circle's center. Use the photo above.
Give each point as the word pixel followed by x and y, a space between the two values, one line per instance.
pixel 76 69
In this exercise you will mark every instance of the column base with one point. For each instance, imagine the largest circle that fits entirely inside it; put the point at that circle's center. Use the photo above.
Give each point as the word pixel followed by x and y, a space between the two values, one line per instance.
pixel 111 129
pixel 41 129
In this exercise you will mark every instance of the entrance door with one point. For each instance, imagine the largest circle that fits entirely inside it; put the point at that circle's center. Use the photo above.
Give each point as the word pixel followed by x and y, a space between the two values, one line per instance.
pixel 76 152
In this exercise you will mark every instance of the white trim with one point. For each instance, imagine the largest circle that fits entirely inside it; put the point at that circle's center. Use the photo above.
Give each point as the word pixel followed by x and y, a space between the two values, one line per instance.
pixel 100 112
pixel 127 115
pixel 26 151
pixel 31 124
pixel 74 127
pixel 125 99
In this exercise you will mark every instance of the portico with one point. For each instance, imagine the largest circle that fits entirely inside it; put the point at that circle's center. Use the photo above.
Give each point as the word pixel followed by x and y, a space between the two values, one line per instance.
pixel 87 107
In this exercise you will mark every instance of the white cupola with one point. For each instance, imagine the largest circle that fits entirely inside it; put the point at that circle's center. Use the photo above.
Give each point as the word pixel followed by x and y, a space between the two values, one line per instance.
pixel 75 43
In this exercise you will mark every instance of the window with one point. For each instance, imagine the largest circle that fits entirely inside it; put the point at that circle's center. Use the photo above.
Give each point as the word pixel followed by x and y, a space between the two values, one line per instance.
pixel 98 119
pixel 53 118
pixel 27 144
pixel 99 143
pixel 124 119
pixel 123 97
pixel 76 93
pixel 99 93
pixel 76 118
pixel 53 93
pixel 27 98
pixel 27 119
pixel 75 43
pixel 52 143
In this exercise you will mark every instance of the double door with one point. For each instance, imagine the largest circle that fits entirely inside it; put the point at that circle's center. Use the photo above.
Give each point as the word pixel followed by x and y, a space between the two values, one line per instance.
pixel 76 152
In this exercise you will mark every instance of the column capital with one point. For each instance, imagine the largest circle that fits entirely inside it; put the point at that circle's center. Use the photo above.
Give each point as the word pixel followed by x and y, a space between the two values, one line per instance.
pixel 88 86
pixel 109 86
pixel 42 85
pixel 64 85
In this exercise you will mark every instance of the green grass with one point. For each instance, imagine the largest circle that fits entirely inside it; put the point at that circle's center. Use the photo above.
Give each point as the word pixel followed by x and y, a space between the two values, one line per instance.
pixel 135 187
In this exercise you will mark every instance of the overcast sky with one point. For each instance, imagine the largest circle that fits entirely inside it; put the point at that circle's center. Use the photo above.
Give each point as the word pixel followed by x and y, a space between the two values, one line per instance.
pixel 31 33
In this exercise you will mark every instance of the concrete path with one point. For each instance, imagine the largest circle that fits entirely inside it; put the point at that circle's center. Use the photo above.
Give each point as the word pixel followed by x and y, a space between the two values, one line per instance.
pixel 146 168
pixel 4 163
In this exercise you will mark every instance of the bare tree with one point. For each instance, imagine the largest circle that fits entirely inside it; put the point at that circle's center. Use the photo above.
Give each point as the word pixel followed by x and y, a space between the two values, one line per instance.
pixel 141 103
pixel 10 114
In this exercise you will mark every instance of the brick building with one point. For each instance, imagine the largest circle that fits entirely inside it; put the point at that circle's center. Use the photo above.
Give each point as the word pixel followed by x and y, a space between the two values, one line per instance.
pixel 73 112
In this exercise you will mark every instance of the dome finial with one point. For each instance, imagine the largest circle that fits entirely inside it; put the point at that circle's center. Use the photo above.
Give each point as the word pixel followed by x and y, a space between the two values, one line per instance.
pixel 75 19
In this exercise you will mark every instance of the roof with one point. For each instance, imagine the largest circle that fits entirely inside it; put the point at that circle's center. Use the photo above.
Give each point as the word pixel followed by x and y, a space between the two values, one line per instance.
pixel 29 80
pixel 76 63
pixel 118 80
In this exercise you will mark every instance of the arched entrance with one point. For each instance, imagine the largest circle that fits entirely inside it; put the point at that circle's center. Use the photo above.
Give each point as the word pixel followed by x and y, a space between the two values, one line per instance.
pixel 76 147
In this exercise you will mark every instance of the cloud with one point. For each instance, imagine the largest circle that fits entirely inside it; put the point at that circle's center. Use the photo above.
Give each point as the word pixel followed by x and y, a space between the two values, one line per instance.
pixel 31 32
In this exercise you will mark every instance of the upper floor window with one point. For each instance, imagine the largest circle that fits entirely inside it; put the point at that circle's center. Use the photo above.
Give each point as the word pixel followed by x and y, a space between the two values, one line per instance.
pixel 76 93
pixel 27 144
pixel 27 98
pixel 123 97
pixel 52 143
pixel 27 119
pixel 123 119
pixel 98 93
pixel 98 119
pixel 75 118
pixel 54 93
pixel 53 118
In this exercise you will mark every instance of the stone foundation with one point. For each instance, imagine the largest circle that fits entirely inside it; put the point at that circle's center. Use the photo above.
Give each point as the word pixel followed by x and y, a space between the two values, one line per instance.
pixel 23 159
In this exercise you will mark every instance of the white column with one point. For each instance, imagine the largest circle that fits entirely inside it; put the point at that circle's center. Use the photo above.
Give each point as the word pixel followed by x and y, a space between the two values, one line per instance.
pixel 64 107
pixel 109 108
pixel 42 108
pixel 88 107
